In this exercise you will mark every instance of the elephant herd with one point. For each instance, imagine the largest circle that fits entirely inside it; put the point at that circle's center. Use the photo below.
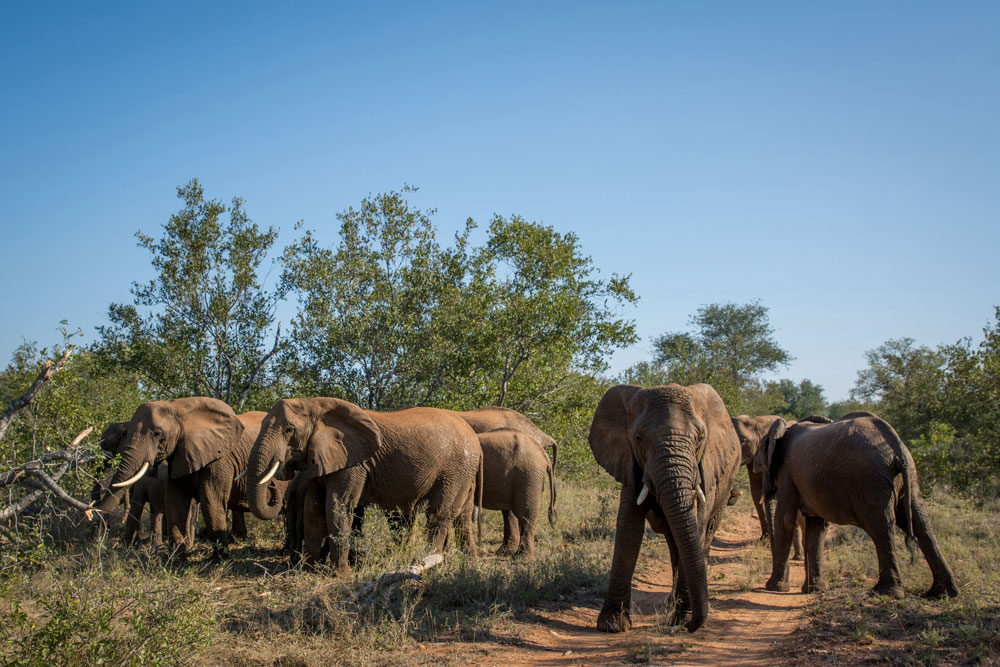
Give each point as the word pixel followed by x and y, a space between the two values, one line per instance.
pixel 322 461
pixel 674 449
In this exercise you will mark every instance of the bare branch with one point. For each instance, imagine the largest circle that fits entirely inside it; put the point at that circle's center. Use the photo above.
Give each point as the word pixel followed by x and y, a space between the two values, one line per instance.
pixel 48 370
pixel 260 365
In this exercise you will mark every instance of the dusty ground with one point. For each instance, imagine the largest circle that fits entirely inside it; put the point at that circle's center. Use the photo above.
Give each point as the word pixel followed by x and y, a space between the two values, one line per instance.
pixel 745 627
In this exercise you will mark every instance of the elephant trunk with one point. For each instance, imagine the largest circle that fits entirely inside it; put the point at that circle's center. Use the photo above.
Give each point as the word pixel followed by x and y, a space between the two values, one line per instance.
pixel 265 499
pixel 135 456
pixel 674 476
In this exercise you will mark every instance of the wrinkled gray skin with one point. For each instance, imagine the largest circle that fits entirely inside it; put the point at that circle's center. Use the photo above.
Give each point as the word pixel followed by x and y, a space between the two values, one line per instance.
pixel 751 432
pixel 354 458
pixel 673 439
pixel 201 440
pixel 515 468
pixel 494 418
pixel 854 471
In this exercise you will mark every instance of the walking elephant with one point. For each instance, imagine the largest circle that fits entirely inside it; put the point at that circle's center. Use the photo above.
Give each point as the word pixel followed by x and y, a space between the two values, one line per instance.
pixel 853 471
pixel 514 471
pixel 201 440
pixel 355 458
pixel 751 432
pixel 674 450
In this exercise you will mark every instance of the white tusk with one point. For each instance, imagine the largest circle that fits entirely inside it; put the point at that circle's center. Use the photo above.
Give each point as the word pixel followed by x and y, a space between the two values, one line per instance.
pixel 135 478
pixel 240 476
pixel 701 494
pixel 642 494
pixel 270 473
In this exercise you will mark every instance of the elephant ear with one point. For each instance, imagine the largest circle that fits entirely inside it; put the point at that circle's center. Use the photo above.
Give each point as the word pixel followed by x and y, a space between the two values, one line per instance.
pixel 768 458
pixel 209 429
pixel 344 435
pixel 609 432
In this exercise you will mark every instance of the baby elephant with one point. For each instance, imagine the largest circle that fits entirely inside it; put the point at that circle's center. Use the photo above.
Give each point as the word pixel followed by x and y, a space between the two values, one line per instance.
pixel 514 470
pixel 853 471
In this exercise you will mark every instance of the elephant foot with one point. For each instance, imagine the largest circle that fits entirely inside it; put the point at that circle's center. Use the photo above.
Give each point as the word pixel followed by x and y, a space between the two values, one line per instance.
pixel 889 590
pixel 734 496
pixel 775 585
pixel 939 590
pixel 797 557
pixel 813 587
pixel 614 622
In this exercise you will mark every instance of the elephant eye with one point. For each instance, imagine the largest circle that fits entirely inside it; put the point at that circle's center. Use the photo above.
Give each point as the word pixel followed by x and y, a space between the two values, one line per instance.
pixel 289 429
pixel 638 437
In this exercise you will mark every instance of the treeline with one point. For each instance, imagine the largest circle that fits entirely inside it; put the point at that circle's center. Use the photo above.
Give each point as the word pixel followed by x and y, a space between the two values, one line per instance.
pixel 390 315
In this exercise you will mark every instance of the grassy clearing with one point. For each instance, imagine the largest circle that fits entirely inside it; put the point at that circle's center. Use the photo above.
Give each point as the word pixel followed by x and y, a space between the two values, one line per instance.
pixel 123 606
pixel 84 605
pixel 845 622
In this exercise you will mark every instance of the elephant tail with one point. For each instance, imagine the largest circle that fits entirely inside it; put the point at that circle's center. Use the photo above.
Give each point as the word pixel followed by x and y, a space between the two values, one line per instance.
pixel 553 516
pixel 555 454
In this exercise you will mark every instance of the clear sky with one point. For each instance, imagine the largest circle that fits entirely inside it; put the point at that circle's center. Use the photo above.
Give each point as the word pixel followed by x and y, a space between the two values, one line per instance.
pixel 839 161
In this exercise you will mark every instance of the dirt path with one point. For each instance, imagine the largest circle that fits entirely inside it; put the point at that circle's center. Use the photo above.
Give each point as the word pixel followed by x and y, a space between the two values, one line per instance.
pixel 746 627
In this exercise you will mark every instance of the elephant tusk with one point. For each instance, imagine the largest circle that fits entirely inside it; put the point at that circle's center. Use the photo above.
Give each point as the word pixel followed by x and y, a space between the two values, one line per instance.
pixel 240 476
pixel 642 494
pixel 135 478
pixel 270 473
pixel 701 494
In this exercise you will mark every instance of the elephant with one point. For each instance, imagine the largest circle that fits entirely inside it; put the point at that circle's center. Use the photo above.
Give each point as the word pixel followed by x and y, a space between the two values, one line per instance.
pixel 150 489
pixel 675 453
pixel 483 420
pixel 201 440
pixel 355 457
pixel 514 471
pixel 854 471
pixel 751 432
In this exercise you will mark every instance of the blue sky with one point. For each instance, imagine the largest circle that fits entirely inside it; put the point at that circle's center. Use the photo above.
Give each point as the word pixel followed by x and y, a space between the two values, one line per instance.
pixel 839 161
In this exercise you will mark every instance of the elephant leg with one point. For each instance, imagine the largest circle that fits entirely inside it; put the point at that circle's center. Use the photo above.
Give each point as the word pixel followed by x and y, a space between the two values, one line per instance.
pixel 889 580
pixel 177 505
pixel 339 517
pixel 756 494
pixel 944 580
pixel 680 598
pixel 239 525
pixel 800 529
pixel 781 543
pixel 526 513
pixel 511 534
pixel 616 614
pixel 214 499
pixel 314 530
pixel 156 529
pixel 358 529
pixel 815 531
pixel 465 527
pixel 192 522
pixel 133 520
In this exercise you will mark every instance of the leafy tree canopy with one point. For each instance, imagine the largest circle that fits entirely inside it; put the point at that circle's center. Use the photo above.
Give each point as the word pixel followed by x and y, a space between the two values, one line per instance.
pixel 199 327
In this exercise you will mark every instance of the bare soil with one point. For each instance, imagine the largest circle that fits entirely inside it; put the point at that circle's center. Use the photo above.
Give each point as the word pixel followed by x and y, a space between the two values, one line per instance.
pixel 746 627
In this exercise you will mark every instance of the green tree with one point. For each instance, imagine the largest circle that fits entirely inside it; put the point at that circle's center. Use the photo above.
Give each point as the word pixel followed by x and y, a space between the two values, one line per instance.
pixel 200 327
pixel 730 347
pixel 798 400
pixel 906 382
pixel 388 317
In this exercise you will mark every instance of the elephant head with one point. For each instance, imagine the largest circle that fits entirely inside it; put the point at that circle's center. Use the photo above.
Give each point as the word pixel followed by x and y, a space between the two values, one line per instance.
pixel 323 435
pixel 652 440
pixel 752 432
pixel 188 433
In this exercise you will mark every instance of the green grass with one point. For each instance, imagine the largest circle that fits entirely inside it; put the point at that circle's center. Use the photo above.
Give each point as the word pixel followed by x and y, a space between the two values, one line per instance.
pixel 81 604
pixel 846 621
